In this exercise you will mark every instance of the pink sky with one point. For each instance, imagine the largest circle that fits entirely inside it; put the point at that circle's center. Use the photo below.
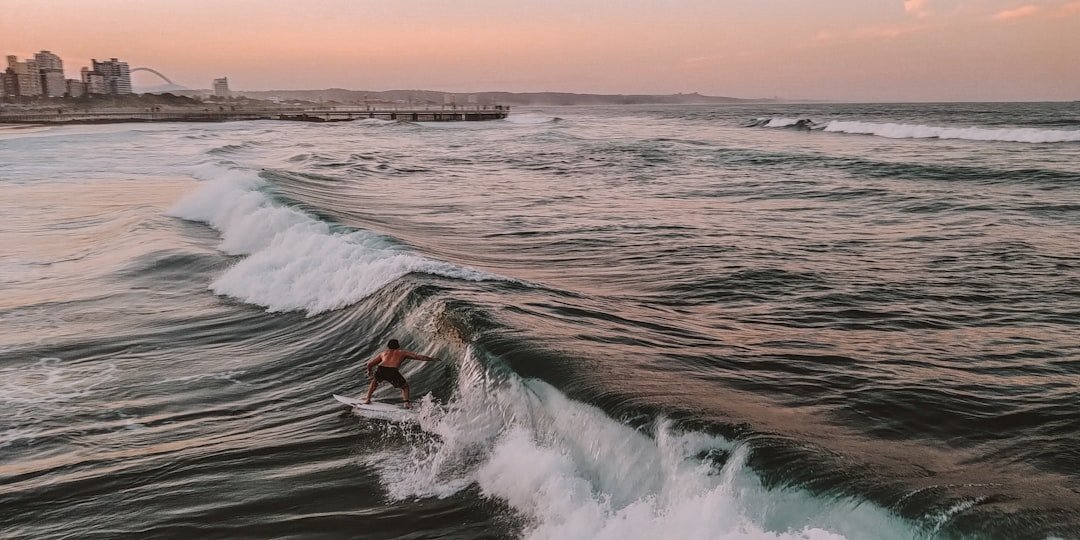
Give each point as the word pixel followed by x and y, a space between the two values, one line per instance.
pixel 820 49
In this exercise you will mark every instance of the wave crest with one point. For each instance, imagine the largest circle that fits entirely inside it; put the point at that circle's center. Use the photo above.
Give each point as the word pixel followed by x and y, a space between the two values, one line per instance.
pixel 916 131
pixel 531 119
pixel 574 472
pixel 781 122
pixel 294 261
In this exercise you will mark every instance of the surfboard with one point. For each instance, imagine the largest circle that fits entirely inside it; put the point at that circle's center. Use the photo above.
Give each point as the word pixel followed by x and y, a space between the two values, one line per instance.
pixel 379 411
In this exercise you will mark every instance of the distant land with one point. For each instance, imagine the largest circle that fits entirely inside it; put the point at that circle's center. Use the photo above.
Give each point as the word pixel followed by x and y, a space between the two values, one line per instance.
pixel 329 105
pixel 421 97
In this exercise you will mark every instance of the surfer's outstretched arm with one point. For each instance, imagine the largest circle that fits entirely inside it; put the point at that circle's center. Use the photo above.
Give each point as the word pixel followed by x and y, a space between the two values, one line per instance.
pixel 420 357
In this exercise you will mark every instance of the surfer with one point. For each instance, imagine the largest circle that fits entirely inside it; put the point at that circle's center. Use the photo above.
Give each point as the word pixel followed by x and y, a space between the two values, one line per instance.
pixel 384 367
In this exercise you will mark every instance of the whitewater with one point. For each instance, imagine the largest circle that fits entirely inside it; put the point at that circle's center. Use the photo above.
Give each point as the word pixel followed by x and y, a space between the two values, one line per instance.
pixel 915 131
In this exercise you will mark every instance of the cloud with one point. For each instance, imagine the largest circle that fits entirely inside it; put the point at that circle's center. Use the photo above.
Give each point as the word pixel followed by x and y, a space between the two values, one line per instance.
pixel 1067 9
pixel 867 33
pixel 916 7
pixel 825 36
pixel 1017 13
pixel 887 32
pixel 1072 8
pixel 702 62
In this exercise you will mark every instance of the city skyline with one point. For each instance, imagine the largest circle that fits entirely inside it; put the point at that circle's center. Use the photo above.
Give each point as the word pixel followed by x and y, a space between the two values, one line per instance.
pixel 43 75
pixel 917 50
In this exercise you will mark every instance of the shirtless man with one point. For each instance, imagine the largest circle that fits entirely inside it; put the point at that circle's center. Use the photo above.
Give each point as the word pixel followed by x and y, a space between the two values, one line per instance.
pixel 385 366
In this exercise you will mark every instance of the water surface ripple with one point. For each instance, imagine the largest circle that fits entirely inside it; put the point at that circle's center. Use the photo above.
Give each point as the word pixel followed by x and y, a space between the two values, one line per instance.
pixel 764 321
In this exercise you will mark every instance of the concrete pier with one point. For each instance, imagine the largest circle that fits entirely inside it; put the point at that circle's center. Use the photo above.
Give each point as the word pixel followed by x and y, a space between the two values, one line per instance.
pixel 227 114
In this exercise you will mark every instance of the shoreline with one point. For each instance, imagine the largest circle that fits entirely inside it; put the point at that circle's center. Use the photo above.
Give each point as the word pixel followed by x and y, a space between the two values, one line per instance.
pixel 206 114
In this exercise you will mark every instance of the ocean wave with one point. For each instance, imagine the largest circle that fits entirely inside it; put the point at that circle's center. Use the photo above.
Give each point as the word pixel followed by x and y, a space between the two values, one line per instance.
pixel 915 131
pixel 531 119
pixel 918 131
pixel 376 122
pixel 293 261
pixel 780 122
pixel 233 148
pixel 574 472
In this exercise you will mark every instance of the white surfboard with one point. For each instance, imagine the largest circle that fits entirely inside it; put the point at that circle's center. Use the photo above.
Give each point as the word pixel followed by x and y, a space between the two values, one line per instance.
pixel 380 411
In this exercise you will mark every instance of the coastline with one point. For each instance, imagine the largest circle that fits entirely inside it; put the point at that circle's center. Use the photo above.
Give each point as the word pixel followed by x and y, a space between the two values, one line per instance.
pixel 233 113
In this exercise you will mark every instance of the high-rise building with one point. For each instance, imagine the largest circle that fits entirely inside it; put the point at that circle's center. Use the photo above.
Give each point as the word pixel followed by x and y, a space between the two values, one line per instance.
pixel 51 69
pixel 221 87
pixel 26 75
pixel 4 84
pixel 11 83
pixel 117 75
pixel 94 81
pixel 47 60
pixel 76 88
pixel 53 83
pixel 123 78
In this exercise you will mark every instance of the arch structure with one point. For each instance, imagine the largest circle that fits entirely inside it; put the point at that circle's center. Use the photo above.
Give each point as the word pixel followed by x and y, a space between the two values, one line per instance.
pixel 154 71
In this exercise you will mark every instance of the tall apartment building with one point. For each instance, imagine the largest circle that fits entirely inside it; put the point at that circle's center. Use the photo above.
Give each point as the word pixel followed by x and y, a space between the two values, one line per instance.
pixel 76 88
pixel 51 68
pixel 11 82
pixel 221 87
pixel 117 75
pixel 53 83
pixel 94 81
pixel 4 84
pixel 27 76
pixel 48 60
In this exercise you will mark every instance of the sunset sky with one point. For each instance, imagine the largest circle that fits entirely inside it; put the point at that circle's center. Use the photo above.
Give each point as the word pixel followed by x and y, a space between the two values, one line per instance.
pixel 818 49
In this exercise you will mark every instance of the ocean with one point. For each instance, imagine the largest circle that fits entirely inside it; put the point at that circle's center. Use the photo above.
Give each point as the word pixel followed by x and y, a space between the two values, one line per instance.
pixel 760 321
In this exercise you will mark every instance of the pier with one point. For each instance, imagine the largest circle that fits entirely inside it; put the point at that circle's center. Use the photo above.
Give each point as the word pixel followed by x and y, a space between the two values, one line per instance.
pixel 230 114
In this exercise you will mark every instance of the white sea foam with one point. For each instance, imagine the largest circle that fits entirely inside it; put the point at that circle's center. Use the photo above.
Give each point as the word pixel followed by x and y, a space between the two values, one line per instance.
pixel 529 119
pixel 375 122
pixel 914 131
pixel 576 473
pixel 781 122
pixel 294 261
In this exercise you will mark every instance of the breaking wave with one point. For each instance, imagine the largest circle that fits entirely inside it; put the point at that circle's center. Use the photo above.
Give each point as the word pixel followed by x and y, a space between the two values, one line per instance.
pixel 294 261
pixel 918 131
pixel 573 472
pixel 913 131
pixel 531 119
pixel 801 123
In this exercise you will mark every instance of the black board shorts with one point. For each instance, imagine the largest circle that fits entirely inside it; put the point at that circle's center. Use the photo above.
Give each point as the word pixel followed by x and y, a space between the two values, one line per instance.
pixel 390 375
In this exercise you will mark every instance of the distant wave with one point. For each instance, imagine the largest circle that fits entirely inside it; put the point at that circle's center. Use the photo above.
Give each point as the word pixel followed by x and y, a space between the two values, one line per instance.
pixel 801 123
pixel 914 131
pixel 917 131
pixel 530 119
pixel 1058 122
pixel 375 122
pixel 293 260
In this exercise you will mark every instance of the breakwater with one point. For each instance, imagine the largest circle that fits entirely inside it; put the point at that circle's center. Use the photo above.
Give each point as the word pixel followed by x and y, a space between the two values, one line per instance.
pixel 226 114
